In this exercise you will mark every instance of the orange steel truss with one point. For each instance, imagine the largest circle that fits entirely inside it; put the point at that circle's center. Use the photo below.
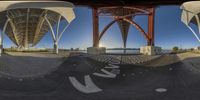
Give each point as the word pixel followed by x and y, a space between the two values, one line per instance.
pixel 123 16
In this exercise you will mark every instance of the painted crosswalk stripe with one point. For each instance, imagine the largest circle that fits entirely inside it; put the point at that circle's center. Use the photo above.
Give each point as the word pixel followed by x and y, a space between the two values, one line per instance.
pixel 89 86
pixel 105 74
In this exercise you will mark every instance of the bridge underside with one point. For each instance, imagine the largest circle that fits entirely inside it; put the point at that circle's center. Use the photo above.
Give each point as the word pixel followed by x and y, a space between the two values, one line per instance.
pixel 123 16
pixel 26 22
pixel 26 27
pixel 106 3
pixel 122 12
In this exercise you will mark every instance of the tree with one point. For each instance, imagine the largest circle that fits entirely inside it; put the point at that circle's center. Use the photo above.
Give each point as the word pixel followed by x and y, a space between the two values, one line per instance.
pixel 175 49
pixel 191 49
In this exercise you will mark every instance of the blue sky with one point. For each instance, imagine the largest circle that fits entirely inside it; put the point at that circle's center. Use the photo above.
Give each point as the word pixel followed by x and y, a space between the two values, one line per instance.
pixel 169 31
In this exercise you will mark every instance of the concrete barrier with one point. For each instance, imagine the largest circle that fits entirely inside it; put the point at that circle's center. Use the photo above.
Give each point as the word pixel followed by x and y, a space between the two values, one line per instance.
pixel 150 50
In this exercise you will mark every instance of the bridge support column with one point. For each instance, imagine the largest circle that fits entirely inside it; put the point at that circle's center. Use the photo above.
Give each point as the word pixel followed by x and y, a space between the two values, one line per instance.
pixel 56 36
pixel 96 49
pixel 95 18
pixel 151 49
pixel 55 48
pixel 151 27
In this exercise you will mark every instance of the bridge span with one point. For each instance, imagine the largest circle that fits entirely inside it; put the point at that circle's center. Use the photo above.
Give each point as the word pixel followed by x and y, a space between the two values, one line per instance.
pixel 26 22
pixel 122 12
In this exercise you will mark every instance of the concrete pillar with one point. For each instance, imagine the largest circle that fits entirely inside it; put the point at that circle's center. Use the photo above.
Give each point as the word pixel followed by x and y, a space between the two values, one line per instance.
pixel 96 49
pixel 150 50
pixel 55 48
pixel 124 46
pixel 124 51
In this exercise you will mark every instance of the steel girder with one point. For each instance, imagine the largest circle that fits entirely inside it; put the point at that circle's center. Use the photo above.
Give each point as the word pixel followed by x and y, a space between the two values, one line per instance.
pixel 123 16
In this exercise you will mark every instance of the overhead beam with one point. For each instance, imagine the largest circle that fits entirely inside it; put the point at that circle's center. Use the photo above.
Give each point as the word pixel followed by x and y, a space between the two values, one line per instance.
pixel 14 31
pixel 106 28
pixel 138 27
pixel 51 28
pixel 26 43
pixel 58 25
pixel 2 36
pixel 39 26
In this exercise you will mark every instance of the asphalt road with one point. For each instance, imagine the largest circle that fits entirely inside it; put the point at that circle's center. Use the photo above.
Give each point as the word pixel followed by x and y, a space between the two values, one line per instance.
pixel 176 81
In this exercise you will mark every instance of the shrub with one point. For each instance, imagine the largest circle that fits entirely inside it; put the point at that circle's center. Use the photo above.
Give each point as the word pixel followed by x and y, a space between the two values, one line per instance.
pixel 175 49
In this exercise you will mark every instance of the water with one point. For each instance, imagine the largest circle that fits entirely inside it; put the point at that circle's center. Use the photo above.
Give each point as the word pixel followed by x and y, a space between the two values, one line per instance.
pixel 122 51
pixel 166 51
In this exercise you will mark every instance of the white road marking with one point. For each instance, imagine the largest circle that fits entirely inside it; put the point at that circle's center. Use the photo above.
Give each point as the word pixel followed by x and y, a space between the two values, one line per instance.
pixel 161 90
pixel 115 71
pixel 20 79
pixel 112 66
pixel 106 74
pixel 89 86
pixel 74 64
pixel 114 62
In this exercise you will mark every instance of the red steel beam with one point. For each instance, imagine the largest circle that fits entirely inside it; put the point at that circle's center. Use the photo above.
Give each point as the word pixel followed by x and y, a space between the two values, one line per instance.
pixel 138 27
pixel 95 18
pixel 149 36
pixel 151 27
pixel 106 28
